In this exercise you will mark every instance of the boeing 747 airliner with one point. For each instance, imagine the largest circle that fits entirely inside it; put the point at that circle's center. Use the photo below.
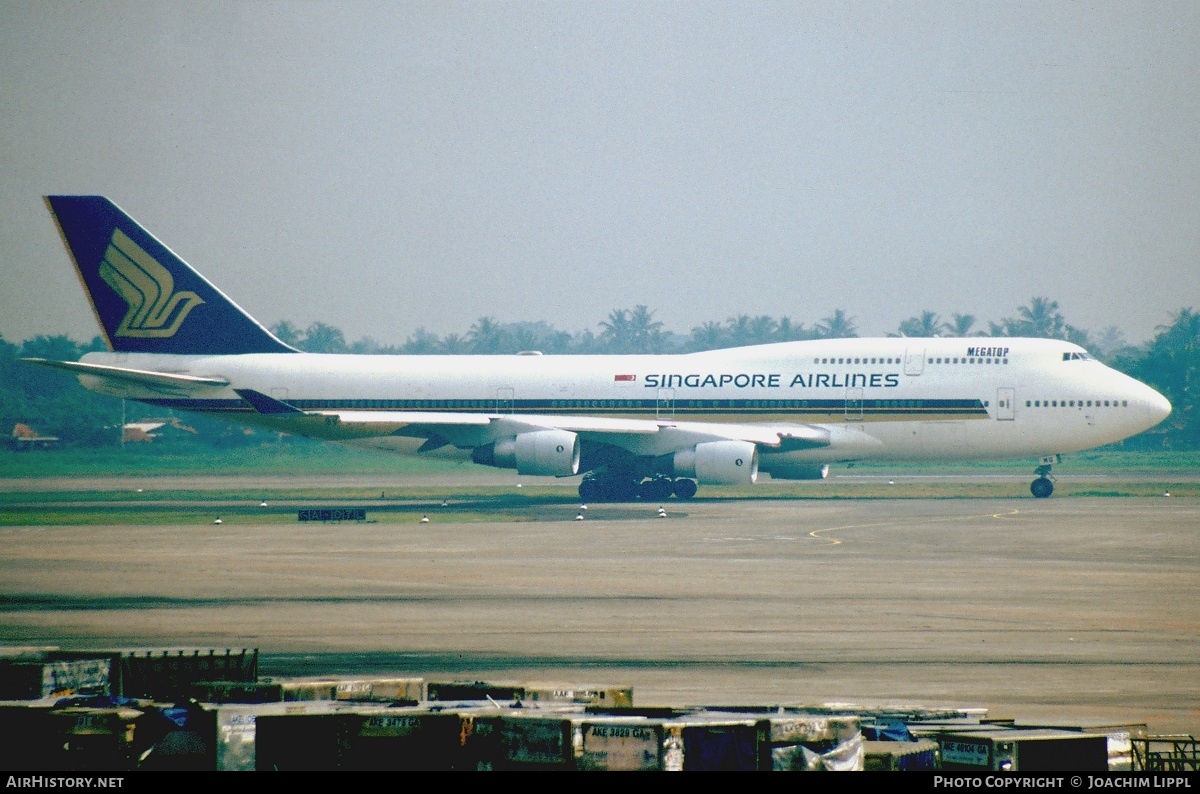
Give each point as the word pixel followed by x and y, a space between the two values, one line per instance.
pixel 636 426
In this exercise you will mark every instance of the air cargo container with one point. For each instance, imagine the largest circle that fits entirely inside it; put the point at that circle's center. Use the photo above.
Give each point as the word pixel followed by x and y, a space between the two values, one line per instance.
pixel 1017 750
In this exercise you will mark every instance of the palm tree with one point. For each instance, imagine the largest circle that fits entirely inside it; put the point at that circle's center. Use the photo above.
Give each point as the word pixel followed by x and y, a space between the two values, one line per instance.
pixel 453 344
pixel 785 331
pixel 927 325
pixel 1041 318
pixel 422 343
pixel 648 336
pixel 1171 364
pixel 961 324
pixel 836 326
pixel 367 345
pixel 486 336
pixel 288 333
pixel 522 337
pixel 1108 342
pixel 322 338
pixel 585 342
pixel 737 330
pixel 763 329
pixel 1184 330
pixel 632 330
pixel 1076 336
pixel 710 336
pixel 558 342
pixel 616 332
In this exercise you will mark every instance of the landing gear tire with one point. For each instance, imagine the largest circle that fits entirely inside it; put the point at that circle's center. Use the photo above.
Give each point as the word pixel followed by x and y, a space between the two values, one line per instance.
pixel 590 491
pixel 685 489
pixel 1042 488
pixel 655 490
pixel 620 490
pixel 608 489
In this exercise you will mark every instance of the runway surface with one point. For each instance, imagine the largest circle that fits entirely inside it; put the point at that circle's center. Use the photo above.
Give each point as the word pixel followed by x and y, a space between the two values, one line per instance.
pixel 1078 610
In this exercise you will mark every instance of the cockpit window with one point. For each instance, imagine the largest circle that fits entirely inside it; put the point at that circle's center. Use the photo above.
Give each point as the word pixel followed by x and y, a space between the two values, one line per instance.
pixel 1076 357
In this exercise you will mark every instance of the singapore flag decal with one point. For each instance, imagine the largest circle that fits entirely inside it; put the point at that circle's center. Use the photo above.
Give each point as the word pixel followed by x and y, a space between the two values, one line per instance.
pixel 624 378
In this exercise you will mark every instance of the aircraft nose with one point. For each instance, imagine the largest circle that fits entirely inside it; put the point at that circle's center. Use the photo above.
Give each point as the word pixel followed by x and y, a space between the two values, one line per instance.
pixel 1159 406
pixel 1152 407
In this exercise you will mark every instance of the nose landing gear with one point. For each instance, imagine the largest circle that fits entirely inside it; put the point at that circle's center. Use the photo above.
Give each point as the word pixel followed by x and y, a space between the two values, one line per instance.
pixel 1043 486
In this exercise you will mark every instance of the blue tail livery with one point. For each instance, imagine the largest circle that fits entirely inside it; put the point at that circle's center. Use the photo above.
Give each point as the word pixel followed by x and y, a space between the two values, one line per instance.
pixel 146 298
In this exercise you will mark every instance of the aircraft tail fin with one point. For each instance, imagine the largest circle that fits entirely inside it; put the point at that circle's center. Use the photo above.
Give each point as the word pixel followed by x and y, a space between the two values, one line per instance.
pixel 146 298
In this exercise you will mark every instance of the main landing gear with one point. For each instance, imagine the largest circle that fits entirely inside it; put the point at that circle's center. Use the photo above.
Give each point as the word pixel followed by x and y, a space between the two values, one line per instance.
pixel 1043 486
pixel 627 488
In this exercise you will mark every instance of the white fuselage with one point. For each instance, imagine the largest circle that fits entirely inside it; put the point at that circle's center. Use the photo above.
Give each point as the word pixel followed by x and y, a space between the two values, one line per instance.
pixel 887 398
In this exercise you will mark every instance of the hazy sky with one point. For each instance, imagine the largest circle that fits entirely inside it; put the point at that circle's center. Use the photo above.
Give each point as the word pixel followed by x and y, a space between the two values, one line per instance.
pixel 387 166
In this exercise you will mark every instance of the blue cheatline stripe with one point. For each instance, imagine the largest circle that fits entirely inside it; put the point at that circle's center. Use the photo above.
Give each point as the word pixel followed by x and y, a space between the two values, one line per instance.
pixel 917 407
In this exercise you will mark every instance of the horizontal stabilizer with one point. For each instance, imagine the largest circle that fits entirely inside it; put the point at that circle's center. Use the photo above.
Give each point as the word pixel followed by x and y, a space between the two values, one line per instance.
pixel 138 376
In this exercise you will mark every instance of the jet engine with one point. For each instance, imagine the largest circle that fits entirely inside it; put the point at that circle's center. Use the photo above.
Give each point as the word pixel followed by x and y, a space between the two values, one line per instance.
pixel 548 453
pixel 719 462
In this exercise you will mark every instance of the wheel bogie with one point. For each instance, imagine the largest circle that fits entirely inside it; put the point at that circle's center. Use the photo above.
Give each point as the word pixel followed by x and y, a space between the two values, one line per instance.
pixel 628 489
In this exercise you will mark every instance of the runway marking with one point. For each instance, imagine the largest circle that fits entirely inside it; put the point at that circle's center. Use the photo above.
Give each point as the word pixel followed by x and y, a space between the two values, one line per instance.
pixel 835 542
pixel 817 534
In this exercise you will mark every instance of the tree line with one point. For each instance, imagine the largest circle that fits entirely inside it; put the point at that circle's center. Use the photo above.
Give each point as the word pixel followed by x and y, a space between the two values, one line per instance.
pixel 636 331
pixel 54 403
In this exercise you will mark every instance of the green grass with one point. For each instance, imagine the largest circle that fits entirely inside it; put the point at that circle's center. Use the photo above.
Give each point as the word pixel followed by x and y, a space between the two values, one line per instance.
pixel 1090 461
pixel 305 458
pixel 202 507
pixel 480 504
pixel 299 458
pixel 66 499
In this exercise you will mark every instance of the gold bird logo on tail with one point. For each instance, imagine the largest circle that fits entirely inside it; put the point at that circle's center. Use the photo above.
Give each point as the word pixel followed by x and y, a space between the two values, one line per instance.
pixel 155 309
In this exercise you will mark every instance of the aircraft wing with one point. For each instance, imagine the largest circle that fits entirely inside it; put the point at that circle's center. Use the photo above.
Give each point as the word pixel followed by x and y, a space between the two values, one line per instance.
pixel 640 436
pixel 465 430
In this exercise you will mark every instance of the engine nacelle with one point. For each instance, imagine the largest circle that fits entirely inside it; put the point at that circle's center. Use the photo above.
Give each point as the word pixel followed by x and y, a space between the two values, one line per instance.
pixel 719 462
pixel 546 453
pixel 798 471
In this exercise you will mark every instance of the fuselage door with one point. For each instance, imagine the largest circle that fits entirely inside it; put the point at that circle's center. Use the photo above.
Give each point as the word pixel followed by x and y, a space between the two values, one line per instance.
pixel 914 361
pixel 854 405
pixel 1006 409
pixel 506 400
pixel 666 404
